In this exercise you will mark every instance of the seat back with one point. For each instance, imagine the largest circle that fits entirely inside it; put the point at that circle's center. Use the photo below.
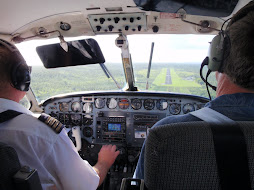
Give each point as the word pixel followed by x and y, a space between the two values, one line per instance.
pixel 12 175
pixel 9 165
pixel 182 156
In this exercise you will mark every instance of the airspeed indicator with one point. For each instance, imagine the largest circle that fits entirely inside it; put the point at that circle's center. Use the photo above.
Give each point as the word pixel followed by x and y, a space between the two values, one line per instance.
pixel 175 108
pixel 111 103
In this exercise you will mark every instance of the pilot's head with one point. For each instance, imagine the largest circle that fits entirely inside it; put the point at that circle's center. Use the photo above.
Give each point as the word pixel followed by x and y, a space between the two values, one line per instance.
pixel 238 61
pixel 14 72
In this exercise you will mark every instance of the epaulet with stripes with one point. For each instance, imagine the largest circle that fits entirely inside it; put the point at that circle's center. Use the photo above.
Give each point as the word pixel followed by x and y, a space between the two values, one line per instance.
pixel 53 123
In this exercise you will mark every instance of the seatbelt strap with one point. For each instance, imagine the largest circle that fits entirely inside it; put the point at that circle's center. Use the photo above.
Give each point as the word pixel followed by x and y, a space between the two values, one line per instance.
pixel 211 116
pixel 9 114
pixel 230 150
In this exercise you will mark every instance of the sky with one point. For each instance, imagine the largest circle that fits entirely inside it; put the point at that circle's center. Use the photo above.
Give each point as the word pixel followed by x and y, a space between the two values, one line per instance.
pixel 167 48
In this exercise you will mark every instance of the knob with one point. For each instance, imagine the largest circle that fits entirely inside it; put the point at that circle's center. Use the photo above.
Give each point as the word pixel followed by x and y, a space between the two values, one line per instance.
pixel 116 19
pixel 139 28
pixel 102 20
pixel 98 28
pixel 126 28
pixel 138 18
pixel 87 131
pixel 155 29
pixel 131 19
pixel 110 27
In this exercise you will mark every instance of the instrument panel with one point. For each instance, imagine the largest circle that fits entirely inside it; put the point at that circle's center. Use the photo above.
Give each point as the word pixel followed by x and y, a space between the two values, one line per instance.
pixel 119 117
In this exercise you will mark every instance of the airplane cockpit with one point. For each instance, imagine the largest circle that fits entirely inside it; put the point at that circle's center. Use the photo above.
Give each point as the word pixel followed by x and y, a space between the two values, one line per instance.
pixel 109 70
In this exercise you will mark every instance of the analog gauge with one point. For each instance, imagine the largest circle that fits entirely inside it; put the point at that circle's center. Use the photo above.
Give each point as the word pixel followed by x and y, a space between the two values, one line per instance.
pixel 162 104
pixel 87 120
pixel 76 119
pixel 175 108
pixel 136 104
pixel 188 108
pixel 88 107
pixel 199 106
pixel 52 114
pixel 75 106
pixel 123 103
pixel 111 103
pixel 100 103
pixel 64 106
pixel 88 131
pixel 64 119
pixel 148 104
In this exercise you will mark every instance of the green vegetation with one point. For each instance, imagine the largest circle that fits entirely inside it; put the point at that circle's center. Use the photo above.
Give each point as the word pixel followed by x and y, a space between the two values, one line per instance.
pixel 184 79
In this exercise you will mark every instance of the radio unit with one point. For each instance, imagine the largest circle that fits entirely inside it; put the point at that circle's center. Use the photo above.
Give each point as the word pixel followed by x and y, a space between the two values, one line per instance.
pixel 110 129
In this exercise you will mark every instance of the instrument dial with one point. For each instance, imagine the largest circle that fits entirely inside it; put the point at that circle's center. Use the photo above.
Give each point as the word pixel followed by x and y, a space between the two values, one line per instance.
pixel 64 106
pixel 75 106
pixel 76 119
pixel 175 108
pixel 149 104
pixel 100 103
pixel 87 120
pixel 88 107
pixel 111 103
pixel 64 119
pixel 123 103
pixel 162 104
pixel 88 131
pixel 136 104
pixel 188 108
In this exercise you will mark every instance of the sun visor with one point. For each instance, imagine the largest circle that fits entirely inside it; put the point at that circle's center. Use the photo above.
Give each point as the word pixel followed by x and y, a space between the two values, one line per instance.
pixel 216 8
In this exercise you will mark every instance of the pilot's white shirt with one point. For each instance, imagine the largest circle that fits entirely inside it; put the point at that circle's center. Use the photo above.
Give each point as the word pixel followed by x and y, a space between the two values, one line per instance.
pixel 53 155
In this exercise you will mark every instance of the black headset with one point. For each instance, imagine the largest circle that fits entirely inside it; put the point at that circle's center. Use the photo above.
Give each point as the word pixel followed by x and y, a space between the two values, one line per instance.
pixel 20 72
pixel 216 52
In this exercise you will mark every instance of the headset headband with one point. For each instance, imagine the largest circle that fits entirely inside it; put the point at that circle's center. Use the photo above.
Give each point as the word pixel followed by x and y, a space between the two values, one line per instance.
pixel 242 12
pixel 9 46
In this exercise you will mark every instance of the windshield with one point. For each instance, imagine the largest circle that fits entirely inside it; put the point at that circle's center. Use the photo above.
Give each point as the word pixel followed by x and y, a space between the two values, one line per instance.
pixel 175 66
pixel 50 82
pixel 175 63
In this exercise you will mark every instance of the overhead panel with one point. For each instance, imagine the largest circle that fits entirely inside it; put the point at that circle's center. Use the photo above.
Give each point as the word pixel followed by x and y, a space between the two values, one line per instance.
pixel 115 23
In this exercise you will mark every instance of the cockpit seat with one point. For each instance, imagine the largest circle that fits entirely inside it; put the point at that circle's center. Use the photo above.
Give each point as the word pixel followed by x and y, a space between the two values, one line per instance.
pixel 182 156
pixel 12 175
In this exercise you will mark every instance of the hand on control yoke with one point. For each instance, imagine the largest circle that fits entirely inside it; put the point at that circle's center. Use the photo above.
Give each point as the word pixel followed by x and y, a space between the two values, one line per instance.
pixel 106 158
pixel 108 154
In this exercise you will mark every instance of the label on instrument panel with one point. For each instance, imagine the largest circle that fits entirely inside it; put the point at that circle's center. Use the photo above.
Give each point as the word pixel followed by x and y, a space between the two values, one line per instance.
pixel 169 15
pixel 140 134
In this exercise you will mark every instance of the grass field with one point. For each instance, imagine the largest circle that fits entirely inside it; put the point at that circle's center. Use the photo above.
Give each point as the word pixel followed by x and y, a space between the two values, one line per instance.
pixel 176 80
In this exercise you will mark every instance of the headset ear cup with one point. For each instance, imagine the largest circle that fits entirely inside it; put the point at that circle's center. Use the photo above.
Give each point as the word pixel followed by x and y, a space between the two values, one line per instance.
pixel 215 53
pixel 20 77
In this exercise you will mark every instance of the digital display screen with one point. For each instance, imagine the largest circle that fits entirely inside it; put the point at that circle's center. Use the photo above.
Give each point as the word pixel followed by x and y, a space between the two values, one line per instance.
pixel 114 126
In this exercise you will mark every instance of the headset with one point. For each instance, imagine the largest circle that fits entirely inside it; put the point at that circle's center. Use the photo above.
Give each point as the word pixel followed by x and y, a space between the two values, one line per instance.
pixel 216 51
pixel 20 72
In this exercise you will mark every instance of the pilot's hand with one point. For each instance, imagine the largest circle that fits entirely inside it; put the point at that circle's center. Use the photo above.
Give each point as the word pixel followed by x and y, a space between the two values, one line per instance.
pixel 108 154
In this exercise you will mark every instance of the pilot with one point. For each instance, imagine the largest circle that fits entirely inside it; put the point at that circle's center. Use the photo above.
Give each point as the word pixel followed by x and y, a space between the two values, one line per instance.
pixel 43 144
pixel 235 78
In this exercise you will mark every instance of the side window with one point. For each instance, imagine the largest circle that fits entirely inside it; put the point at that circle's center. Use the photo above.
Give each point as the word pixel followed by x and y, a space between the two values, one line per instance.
pixel 25 102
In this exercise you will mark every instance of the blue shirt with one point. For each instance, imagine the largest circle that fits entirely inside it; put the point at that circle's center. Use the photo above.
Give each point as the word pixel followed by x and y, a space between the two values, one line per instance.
pixel 238 107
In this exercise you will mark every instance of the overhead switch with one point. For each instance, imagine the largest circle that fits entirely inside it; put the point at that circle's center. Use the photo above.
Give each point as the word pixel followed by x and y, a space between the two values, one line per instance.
pixel 139 28
pixel 102 20
pixel 131 20
pixel 110 27
pixel 116 19
pixel 98 28
pixel 126 28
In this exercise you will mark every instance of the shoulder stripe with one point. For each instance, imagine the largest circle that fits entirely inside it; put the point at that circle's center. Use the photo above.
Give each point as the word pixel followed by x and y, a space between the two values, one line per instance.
pixel 53 123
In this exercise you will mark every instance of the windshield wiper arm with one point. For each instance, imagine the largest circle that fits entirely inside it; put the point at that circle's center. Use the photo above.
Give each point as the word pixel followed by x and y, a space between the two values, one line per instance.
pixel 108 74
pixel 149 66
